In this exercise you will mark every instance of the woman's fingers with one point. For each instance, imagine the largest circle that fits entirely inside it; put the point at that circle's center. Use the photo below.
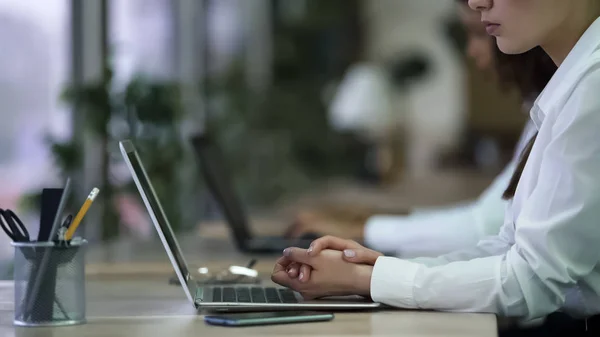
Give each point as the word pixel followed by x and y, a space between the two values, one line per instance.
pixel 297 255
pixel 293 269
pixel 281 265
pixel 361 255
pixel 331 242
pixel 305 271
pixel 353 251
pixel 280 273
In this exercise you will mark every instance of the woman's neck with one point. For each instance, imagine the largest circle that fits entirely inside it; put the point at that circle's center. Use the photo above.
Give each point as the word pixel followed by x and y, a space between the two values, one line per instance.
pixel 564 39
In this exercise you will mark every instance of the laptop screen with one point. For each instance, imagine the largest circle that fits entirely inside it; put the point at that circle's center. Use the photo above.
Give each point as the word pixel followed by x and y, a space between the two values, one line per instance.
pixel 161 223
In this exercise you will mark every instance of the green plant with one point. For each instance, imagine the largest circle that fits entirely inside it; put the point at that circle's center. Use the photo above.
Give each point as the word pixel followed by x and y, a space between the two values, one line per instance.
pixel 153 113
pixel 147 112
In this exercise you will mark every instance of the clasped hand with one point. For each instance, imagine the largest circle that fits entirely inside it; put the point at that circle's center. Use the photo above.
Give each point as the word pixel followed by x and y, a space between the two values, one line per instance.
pixel 330 267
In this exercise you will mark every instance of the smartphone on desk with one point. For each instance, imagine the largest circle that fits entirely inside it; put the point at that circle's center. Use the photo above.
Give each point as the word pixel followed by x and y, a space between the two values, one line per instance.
pixel 268 318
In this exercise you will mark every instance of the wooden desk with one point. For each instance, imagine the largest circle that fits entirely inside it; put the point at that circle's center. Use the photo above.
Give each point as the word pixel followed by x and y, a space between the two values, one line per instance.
pixel 151 308
pixel 132 297
pixel 128 293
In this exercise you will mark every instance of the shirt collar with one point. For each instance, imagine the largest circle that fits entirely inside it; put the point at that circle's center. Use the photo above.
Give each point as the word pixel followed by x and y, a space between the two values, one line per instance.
pixel 587 44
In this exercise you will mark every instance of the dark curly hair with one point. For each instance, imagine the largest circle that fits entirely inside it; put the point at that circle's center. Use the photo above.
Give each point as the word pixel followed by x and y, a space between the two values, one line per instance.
pixel 529 72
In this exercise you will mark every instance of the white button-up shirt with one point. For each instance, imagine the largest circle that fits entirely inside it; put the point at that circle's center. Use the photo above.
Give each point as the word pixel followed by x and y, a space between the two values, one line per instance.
pixel 546 256
pixel 433 232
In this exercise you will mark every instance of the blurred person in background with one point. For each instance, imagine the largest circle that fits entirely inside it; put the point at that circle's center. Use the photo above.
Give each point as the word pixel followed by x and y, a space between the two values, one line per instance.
pixel 545 260
pixel 432 232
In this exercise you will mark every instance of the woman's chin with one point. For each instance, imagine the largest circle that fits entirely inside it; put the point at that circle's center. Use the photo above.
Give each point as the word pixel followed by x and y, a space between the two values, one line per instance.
pixel 512 47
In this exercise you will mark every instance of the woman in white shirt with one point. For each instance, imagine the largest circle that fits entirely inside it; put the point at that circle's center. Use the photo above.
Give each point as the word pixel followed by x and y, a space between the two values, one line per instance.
pixel 436 231
pixel 546 257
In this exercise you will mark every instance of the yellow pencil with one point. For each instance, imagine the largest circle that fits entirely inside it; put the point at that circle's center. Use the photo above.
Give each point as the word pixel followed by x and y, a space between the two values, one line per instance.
pixel 86 205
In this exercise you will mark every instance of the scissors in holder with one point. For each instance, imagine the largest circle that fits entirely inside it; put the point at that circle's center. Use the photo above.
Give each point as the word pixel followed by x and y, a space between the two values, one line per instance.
pixel 64 227
pixel 13 226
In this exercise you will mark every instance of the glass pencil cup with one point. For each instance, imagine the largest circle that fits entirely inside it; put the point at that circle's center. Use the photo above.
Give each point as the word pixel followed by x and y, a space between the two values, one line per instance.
pixel 49 283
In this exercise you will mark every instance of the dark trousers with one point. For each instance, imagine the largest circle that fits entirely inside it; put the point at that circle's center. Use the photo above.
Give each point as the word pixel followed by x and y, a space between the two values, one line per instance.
pixel 557 325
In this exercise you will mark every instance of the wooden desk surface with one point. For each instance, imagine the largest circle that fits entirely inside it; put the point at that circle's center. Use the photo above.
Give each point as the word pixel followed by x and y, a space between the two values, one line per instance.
pixel 151 307
pixel 128 293
pixel 134 299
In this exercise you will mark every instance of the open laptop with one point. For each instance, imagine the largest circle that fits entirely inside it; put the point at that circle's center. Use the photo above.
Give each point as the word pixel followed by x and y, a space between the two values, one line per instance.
pixel 222 298
pixel 219 182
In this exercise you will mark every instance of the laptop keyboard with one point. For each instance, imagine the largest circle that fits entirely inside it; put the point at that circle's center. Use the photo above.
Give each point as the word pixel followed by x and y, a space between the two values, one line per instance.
pixel 253 295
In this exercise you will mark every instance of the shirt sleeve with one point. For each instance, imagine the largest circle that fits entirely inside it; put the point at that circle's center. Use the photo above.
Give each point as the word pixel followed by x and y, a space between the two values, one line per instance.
pixel 555 241
pixel 488 246
pixel 440 231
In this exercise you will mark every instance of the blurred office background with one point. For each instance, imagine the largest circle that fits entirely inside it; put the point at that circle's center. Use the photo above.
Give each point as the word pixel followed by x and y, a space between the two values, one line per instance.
pixel 298 94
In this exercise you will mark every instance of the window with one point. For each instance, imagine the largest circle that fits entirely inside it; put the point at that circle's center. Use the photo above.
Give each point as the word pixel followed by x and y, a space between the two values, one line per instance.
pixel 34 67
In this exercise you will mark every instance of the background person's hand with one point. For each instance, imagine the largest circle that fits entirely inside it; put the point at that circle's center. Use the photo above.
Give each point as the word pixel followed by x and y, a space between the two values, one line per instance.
pixel 330 275
pixel 321 223
pixel 343 220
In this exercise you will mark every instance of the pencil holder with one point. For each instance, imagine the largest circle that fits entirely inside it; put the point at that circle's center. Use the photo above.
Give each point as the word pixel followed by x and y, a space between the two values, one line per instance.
pixel 49 283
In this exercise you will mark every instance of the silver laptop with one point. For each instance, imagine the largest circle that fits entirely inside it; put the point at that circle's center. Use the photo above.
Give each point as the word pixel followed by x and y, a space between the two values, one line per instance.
pixel 230 297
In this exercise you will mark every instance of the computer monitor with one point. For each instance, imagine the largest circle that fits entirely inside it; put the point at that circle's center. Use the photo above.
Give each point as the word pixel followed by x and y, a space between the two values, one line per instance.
pixel 218 180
